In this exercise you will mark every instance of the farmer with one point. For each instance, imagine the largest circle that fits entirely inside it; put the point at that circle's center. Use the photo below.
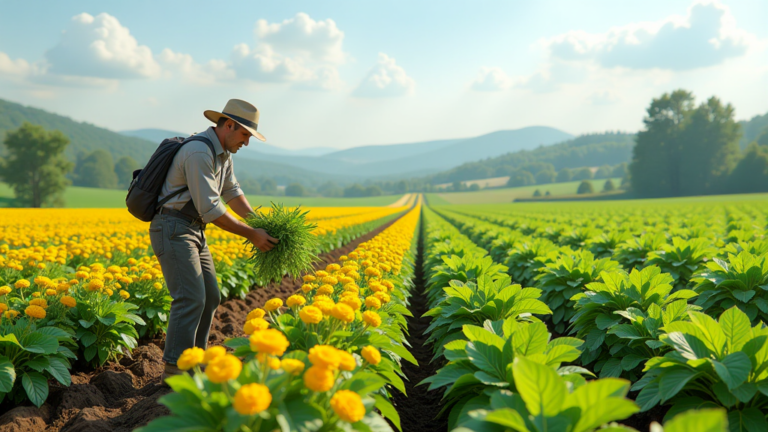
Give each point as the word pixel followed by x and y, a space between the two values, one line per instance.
pixel 177 232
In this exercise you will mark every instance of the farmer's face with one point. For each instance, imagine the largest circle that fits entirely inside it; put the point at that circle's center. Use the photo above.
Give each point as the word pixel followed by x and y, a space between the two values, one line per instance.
pixel 235 137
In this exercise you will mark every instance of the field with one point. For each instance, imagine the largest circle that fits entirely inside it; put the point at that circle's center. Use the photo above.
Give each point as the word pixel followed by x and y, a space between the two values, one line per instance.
pixel 503 315
pixel 507 195
pixel 81 197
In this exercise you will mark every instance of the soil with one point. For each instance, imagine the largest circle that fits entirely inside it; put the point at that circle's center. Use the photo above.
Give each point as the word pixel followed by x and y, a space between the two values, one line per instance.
pixel 122 396
pixel 419 408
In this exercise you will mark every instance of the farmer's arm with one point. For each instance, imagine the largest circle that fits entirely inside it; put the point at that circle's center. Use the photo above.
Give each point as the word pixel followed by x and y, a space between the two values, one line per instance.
pixel 198 169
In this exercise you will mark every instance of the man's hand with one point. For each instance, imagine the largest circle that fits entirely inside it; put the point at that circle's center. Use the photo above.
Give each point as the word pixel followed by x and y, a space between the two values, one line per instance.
pixel 262 240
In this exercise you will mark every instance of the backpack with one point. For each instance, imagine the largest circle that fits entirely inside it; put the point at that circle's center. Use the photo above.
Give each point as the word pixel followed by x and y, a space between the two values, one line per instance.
pixel 147 184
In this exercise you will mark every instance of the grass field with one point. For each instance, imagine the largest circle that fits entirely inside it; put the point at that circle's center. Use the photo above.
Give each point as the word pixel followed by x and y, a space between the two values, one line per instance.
pixel 80 197
pixel 509 194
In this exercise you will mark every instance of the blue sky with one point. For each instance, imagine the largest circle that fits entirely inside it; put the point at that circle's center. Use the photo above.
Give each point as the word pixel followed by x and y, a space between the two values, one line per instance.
pixel 347 73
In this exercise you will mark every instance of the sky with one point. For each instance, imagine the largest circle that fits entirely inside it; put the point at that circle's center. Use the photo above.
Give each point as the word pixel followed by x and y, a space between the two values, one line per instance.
pixel 349 73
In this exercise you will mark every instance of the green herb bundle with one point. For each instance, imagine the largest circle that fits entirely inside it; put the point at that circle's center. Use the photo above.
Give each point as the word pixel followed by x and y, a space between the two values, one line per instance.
pixel 295 251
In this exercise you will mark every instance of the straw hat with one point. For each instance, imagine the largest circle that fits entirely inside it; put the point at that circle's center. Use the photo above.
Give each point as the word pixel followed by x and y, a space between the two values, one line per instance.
pixel 240 111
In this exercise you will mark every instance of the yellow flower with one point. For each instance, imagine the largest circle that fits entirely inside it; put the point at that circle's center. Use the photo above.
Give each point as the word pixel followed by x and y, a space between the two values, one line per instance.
pixel 343 313
pixel 382 296
pixel 62 287
pixel 273 304
pixel 157 286
pixel 214 352
pixel 256 313
pixel 348 406
pixel 73 282
pixel 347 362
pixel 95 284
pixel 3 307
pixel 39 302
pixel 330 280
pixel 306 288
pixel 353 255
pixel 50 292
pixel 325 290
pixel 371 355
pixel 21 284
pixel 377 287
pixel 190 358
pixel 11 314
pixel 332 267
pixel 343 258
pixel 252 399
pixel 292 366
pixel 310 315
pixel 42 281
pixel 372 303
pixel 82 274
pixel 295 300
pixel 124 294
pixel 344 280
pixel 352 287
pixel 372 318
pixel 325 305
pixel 109 292
pixel 224 368
pixel 321 274
pixel 352 301
pixel 308 278
pixel 325 356
pixel 126 280
pixel 269 341
pixel 35 312
pixel 36 294
pixel 390 286
pixel 254 325
pixel 5 290
pixel 68 301
pixel 274 363
pixel 319 379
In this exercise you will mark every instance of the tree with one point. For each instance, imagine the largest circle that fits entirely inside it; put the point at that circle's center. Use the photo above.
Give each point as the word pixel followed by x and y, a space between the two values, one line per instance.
pixel 96 170
pixel 268 187
pixel 294 189
pixel 619 170
pixel 751 173
pixel 521 178
pixel 581 174
pixel 35 166
pixel 684 150
pixel 250 186
pixel 329 189
pixel 401 187
pixel 354 191
pixel 604 172
pixel 547 193
pixel 372 191
pixel 564 175
pixel 474 187
pixel 609 186
pixel 545 177
pixel 537 193
pixel 585 187
pixel 124 169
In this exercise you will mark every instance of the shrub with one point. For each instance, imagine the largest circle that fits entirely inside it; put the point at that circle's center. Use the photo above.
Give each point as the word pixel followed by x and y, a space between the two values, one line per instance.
pixel 585 187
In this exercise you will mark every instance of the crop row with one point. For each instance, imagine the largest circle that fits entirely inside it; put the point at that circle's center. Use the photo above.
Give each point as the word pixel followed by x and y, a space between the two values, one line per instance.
pixel 324 360
pixel 679 319
pixel 84 284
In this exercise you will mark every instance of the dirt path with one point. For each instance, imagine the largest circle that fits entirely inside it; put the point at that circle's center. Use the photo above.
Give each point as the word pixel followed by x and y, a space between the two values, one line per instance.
pixel 419 408
pixel 120 397
pixel 402 201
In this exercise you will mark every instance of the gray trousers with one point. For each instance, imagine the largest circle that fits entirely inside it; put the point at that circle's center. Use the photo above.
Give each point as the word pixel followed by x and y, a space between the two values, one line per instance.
pixel 188 269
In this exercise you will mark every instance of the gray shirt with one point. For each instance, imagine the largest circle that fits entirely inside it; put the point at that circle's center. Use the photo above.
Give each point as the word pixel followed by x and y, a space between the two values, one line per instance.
pixel 193 166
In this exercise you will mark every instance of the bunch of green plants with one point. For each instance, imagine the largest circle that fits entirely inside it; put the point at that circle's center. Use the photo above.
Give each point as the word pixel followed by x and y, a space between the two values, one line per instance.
pixel 295 251
pixel 682 258
pixel 30 355
pixel 622 316
pixel 633 253
pixel 721 363
pixel 526 258
pixel 105 328
pixel 567 276
pixel 545 401
pixel 695 420
pixel 482 361
pixel 741 281
pixel 606 244
pixel 153 304
pixel 487 298
pixel 468 267
pixel 578 238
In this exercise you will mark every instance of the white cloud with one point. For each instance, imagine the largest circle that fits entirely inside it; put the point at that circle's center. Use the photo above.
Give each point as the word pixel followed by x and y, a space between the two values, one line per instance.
pixel 186 67
pixel 302 36
pixel 491 79
pixel 14 68
pixel 386 79
pixel 100 47
pixel 706 36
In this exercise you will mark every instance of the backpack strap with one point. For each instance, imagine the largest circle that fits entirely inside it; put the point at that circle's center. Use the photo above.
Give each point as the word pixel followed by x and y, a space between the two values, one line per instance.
pixel 162 202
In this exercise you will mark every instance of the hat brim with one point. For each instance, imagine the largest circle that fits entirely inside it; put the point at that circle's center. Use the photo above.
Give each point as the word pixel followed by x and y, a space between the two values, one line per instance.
pixel 214 116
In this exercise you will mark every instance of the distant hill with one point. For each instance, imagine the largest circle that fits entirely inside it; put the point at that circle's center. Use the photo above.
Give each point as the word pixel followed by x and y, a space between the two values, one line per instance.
pixel 84 137
pixel 610 148
pixel 753 128
pixel 386 152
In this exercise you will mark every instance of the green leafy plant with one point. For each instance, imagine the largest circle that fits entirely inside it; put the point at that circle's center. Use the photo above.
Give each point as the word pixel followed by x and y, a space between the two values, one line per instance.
pixel 742 281
pixel 475 302
pixel 682 258
pixel 567 276
pixel 633 253
pixel 712 364
pixel 621 318
pixel 468 267
pixel 295 251
pixel 29 357
pixel 482 361
pixel 104 327
pixel 703 420
pixel 527 257
pixel 545 401
pixel 604 245
pixel 153 305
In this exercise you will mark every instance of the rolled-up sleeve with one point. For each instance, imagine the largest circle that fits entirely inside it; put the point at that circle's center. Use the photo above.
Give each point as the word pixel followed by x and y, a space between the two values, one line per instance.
pixel 231 188
pixel 198 169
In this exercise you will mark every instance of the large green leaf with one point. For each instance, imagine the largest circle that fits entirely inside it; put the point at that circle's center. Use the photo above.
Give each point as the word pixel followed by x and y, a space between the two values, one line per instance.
pixel 295 415
pixel 36 386
pixel 540 387
pixel 610 409
pixel 59 370
pixel 737 328
pixel 705 420
pixel 41 344
pixel 734 369
pixel 387 410
pixel 712 335
pixel 7 375
pixel 487 358
pixel 673 380
pixel 508 418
